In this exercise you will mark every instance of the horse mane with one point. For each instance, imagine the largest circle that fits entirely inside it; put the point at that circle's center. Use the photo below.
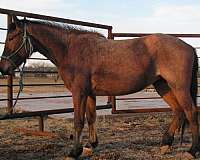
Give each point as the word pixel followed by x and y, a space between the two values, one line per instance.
pixel 64 27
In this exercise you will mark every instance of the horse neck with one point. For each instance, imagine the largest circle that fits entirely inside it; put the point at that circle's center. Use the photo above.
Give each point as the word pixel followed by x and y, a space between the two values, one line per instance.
pixel 49 42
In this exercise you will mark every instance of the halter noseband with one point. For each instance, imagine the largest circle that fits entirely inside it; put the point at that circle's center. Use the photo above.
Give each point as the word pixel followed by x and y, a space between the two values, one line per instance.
pixel 26 39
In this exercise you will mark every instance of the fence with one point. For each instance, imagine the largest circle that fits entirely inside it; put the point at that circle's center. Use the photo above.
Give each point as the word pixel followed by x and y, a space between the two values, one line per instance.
pixel 10 85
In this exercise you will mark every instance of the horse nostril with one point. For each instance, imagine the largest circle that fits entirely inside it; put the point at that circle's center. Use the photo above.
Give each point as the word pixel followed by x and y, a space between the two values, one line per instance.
pixel 1 71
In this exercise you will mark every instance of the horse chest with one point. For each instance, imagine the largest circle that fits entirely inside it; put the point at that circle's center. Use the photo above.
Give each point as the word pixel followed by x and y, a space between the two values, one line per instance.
pixel 67 76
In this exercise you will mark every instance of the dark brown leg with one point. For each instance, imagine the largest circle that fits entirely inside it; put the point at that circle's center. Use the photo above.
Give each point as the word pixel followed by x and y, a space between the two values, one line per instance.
pixel 166 93
pixel 185 101
pixel 91 118
pixel 176 122
pixel 79 101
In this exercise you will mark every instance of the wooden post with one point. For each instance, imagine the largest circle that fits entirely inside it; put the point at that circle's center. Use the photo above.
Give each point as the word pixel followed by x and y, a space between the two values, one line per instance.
pixel 110 35
pixel 111 99
pixel 41 123
pixel 113 102
pixel 9 81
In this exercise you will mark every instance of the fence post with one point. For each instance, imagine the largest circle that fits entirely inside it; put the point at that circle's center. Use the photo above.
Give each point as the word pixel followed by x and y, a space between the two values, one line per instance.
pixel 111 99
pixel 41 123
pixel 9 81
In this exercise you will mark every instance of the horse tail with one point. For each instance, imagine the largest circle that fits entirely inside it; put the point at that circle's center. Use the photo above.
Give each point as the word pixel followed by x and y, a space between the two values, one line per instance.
pixel 193 91
pixel 194 82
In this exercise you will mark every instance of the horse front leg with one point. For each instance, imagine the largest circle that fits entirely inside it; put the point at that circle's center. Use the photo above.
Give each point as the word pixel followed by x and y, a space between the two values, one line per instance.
pixel 79 101
pixel 91 119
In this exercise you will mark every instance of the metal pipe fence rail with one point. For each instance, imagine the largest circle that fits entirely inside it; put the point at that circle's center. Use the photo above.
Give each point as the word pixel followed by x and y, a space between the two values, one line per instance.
pixel 55 19
pixel 144 110
pixel 46 112
pixel 10 84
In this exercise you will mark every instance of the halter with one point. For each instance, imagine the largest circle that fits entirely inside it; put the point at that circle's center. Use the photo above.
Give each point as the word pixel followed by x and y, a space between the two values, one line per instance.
pixel 26 40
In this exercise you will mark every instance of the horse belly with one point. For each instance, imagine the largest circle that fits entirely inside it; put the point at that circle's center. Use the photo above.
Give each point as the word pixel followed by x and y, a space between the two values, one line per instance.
pixel 119 86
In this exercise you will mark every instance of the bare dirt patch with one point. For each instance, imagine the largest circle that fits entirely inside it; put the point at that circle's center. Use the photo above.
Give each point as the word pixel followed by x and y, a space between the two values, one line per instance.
pixel 121 137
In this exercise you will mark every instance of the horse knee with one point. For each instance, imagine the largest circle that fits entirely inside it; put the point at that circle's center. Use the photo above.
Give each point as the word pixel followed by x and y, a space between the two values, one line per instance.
pixel 79 125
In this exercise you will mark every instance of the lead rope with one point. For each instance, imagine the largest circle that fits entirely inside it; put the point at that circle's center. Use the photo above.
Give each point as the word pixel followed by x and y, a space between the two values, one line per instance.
pixel 21 71
pixel 21 85
pixel 26 39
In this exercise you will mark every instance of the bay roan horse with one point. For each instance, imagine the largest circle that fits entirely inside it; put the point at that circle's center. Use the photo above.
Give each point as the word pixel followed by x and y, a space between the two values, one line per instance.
pixel 91 65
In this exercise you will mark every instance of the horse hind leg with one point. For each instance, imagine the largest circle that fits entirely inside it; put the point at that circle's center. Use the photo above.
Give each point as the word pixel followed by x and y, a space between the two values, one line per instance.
pixel 166 93
pixel 185 100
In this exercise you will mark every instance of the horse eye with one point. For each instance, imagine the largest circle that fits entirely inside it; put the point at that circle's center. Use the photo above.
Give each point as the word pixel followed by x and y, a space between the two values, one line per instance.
pixel 11 38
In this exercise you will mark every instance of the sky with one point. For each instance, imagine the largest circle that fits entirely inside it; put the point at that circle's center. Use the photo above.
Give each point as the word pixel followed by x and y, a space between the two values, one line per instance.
pixel 148 16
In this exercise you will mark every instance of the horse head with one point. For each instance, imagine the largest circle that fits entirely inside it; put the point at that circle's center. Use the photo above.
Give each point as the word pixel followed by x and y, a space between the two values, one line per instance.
pixel 18 46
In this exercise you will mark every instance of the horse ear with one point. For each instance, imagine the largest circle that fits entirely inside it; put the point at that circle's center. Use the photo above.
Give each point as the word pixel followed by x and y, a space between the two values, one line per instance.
pixel 16 21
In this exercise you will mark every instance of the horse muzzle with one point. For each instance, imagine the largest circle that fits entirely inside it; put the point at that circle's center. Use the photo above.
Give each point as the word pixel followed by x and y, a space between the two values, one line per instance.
pixel 6 68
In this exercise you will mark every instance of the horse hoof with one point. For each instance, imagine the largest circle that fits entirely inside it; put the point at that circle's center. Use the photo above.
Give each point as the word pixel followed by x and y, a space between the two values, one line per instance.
pixel 92 144
pixel 185 156
pixel 164 149
pixel 95 144
pixel 87 152
pixel 76 151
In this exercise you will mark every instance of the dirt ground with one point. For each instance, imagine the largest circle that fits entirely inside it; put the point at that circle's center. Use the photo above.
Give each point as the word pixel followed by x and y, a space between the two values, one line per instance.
pixel 121 137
